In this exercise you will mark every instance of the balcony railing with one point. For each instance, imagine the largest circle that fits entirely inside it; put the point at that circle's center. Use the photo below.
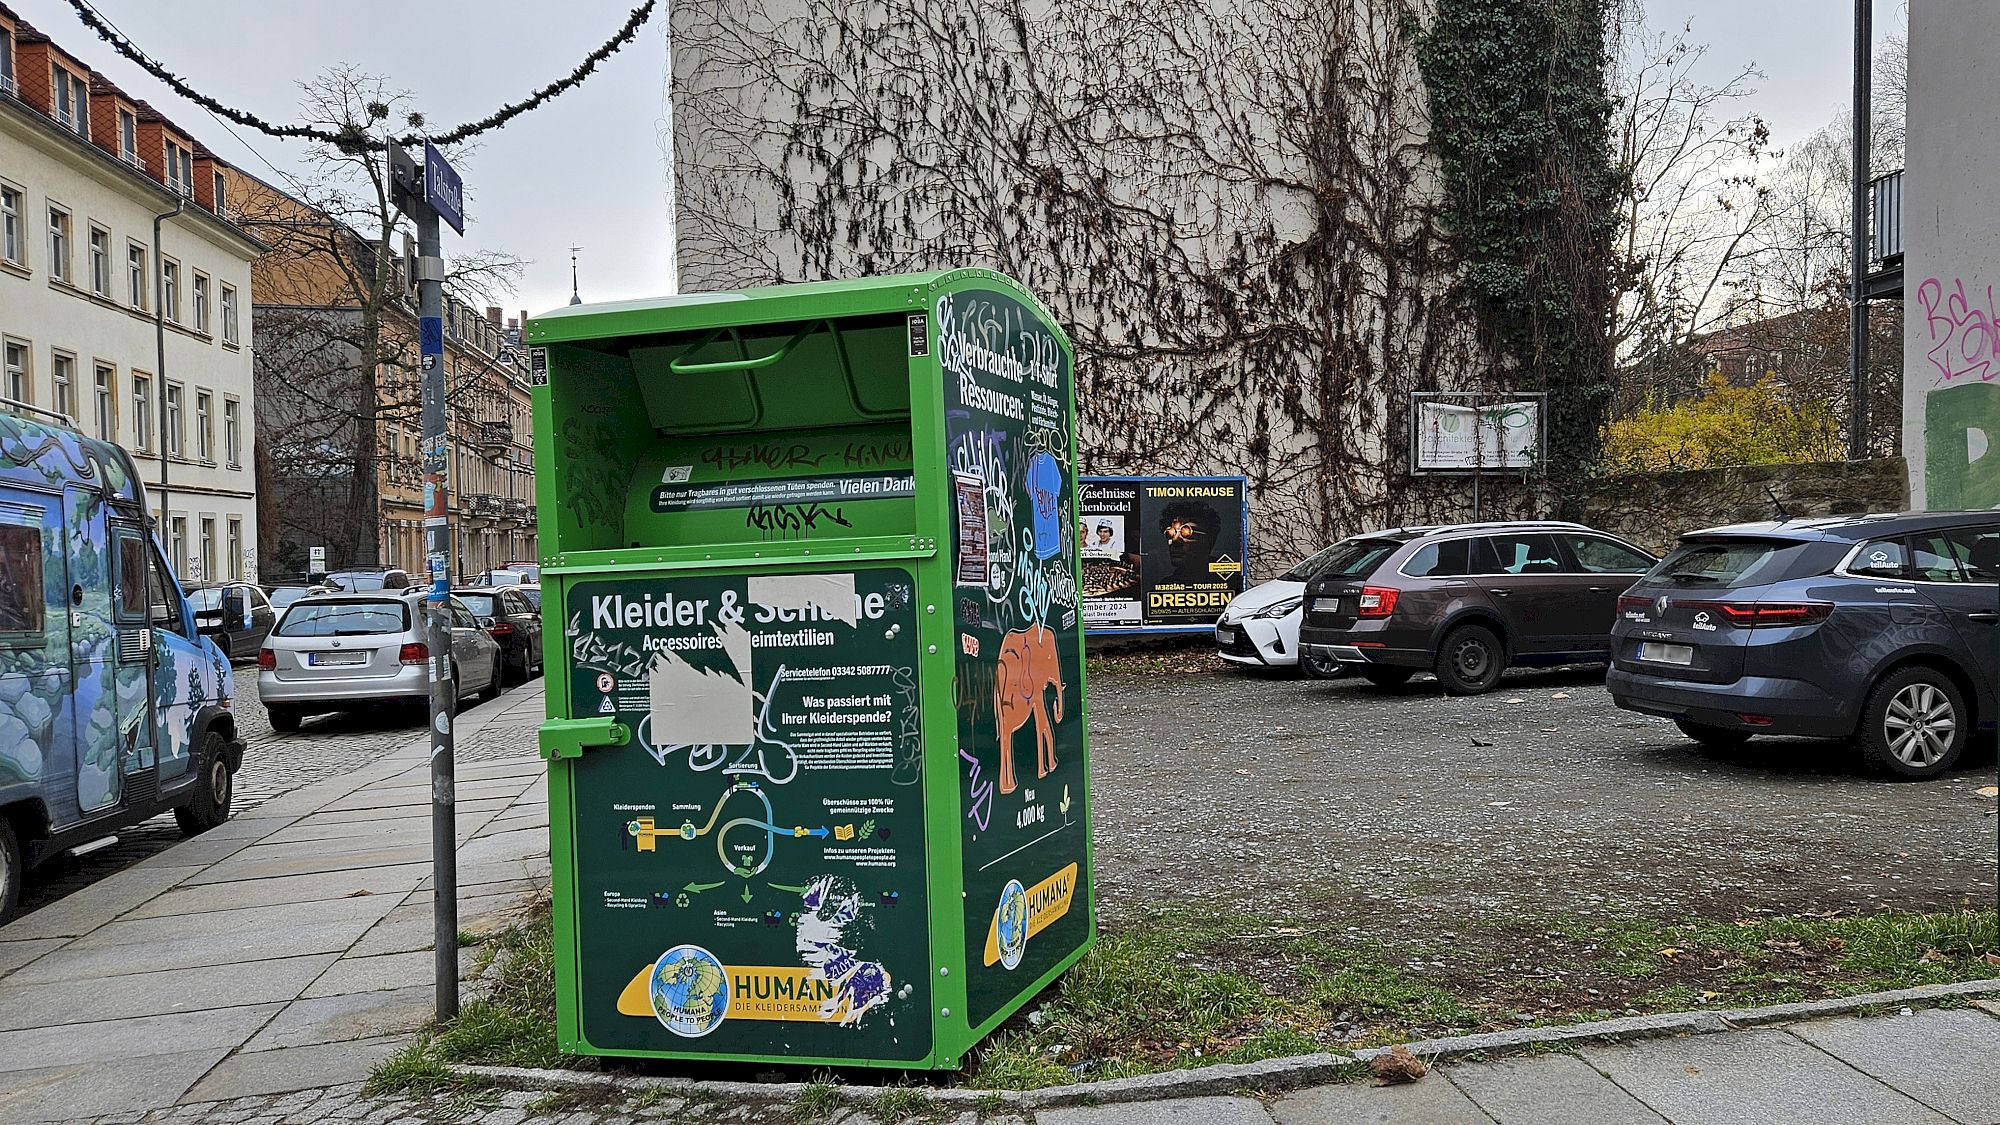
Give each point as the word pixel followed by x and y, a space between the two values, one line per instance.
pixel 1885 236
pixel 494 438
pixel 483 504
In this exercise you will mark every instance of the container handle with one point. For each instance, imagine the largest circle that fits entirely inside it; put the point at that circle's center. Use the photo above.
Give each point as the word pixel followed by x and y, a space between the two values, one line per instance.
pixel 681 366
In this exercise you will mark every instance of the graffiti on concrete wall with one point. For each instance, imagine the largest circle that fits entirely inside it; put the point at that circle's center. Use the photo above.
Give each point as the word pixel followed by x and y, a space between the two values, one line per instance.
pixel 1962 408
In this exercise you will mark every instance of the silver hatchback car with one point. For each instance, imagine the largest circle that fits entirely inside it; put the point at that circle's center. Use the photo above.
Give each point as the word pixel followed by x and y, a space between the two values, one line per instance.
pixel 335 652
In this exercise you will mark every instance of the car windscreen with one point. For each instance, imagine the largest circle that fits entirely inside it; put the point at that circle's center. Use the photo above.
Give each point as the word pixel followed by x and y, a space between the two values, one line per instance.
pixel 205 598
pixel 533 594
pixel 344 619
pixel 1726 564
pixel 1311 565
pixel 1354 558
pixel 480 604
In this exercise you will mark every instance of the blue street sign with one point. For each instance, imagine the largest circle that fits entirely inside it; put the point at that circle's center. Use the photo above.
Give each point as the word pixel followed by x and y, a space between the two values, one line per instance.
pixel 443 190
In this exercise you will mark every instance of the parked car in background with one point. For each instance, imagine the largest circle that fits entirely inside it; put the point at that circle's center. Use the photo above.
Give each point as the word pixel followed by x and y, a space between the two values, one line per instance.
pixel 506 576
pixel 283 594
pixel 1259 627
pixel 509 618
pixel 334 652
pixel 237 616
pixel 1880 629
pixel 367 580
pixel 533 594
pixel 1467 601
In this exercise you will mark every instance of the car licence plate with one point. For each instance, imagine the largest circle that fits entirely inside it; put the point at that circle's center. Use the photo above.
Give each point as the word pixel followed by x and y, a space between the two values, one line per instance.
pixel 325 659
pixel 1326 605
pixel 1666 654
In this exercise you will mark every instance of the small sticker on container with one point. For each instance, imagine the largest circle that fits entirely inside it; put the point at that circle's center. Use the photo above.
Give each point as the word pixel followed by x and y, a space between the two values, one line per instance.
pixel 538 367
pixel 920 335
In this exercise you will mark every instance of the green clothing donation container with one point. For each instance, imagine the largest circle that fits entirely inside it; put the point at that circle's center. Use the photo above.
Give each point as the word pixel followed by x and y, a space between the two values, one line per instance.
pixel 818 788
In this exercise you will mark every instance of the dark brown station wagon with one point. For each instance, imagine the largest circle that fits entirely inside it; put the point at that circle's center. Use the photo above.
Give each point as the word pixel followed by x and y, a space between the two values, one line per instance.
pixel 1466 601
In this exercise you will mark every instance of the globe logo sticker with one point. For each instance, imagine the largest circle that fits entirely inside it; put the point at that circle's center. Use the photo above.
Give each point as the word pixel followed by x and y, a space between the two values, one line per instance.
pixel 690 991
pixel 1010 922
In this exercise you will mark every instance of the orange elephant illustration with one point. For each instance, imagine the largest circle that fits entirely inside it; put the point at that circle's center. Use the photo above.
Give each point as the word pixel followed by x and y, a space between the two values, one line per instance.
pixel 1028 667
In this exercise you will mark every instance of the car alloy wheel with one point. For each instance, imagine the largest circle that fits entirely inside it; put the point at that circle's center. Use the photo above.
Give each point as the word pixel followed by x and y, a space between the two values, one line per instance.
pixel 1919 725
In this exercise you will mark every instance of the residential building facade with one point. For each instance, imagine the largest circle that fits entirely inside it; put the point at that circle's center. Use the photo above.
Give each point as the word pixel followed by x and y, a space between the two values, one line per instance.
pixel 342 437
pixel 87 176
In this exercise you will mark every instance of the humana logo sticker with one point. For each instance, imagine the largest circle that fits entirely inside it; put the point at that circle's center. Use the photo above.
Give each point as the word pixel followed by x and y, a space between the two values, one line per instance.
pixel 1021 914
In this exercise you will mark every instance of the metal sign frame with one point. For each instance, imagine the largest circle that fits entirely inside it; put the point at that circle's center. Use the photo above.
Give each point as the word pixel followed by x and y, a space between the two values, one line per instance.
pixel 1477 400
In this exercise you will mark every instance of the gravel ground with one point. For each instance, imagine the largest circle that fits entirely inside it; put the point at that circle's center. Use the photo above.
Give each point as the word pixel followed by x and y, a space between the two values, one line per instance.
pixel 1339 805
pixel 273 764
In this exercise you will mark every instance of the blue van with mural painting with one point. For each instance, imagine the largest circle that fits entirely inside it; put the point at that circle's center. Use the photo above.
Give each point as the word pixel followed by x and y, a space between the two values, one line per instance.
pixel 113 709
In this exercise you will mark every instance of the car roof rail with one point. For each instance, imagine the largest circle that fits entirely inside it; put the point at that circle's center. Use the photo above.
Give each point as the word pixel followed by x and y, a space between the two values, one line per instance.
pixel 20 407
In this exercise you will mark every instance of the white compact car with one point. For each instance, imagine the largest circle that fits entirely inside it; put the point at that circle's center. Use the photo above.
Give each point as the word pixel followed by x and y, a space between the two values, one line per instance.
pixel 1260 626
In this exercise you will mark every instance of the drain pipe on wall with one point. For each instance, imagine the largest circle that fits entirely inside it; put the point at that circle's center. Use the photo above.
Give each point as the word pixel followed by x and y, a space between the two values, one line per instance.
pixel 160 371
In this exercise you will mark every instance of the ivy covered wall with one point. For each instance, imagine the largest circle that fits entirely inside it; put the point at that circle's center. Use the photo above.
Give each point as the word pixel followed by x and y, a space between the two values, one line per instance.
pixel 1264 222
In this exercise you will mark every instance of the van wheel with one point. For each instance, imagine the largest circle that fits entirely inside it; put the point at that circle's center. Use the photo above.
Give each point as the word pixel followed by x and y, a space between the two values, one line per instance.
pixel 284 720
pixel 1387 675
pixel 1712 736
pixel 1470 661
pixel 11 872
pixel 212 792
pixel 1914 726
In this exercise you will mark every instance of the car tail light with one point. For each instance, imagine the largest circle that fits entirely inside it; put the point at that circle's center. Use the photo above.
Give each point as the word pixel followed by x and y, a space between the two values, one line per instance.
pixel 1627 602
pixel 1377 601
pixel 267 660
pixel 414 653
pixel 1754 720
pixel 1751 615
pixel 501 629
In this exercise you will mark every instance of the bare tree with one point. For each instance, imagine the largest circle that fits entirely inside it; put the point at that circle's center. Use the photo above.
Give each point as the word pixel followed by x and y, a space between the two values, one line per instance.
pixel 337 349
pixel 1694 204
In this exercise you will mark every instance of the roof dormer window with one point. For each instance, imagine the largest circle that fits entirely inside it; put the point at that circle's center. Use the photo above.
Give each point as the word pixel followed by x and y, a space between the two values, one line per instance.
pixel 128 136
pixel 72 101
pixel 180 169
pixel 7 85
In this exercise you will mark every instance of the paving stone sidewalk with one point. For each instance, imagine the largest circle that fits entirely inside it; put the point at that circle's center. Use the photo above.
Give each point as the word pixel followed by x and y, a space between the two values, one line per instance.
pixel 288 949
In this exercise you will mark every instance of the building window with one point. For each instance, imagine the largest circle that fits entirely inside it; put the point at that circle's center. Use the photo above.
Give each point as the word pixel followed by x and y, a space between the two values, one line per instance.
pixel 128 136
pixel 59 244
pixel 14 370
pixel 7 84
pixel 228 314
pixel 170 289
pixel 72 101
pixel 142 412
pixel 180 169
pixel 232 432
pixel 100 262
pixel 62 380
pixel 234 549
pixel 221 195
pixel 107 408
pixel 135 274
pixel 177 541
pixel 175 430
pixel 207 559
pixel 204 425
pixel 201 302
pixel 13 246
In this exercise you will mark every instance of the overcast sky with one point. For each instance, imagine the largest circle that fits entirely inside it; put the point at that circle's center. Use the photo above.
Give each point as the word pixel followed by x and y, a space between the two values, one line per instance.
pixel 589 169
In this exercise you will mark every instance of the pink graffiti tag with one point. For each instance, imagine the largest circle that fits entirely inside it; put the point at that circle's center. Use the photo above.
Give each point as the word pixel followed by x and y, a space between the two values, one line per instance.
pixel 1965 336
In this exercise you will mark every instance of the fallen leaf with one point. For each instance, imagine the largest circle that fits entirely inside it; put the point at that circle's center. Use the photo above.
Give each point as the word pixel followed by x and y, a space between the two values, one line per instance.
pixel 1670 953
pixel 1242 773
pixel 359 894
pixel 1560 695
pixel 1513 701
pixel 1707 996
pixel 1992 958
pixel 1835 944
pixel 1989 791
pixel 1397 1065
pixel 1931 955
pixel 1694 1070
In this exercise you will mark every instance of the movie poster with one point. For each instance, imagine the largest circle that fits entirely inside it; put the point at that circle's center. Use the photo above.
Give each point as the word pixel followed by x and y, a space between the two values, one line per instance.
pixel 1160 553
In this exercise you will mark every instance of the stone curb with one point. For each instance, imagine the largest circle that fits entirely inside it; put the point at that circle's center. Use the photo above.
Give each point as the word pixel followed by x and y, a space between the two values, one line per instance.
pixel 1289 1073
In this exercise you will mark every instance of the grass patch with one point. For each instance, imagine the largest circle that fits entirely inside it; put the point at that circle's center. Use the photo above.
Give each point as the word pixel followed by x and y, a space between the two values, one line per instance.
pixel 513 1025
pixel 1185 988
pixel 816 1102
pixel 902 1103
